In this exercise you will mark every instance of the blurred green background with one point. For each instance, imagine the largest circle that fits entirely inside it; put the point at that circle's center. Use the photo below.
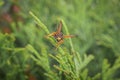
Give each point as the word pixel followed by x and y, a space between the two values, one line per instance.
pixel 25 53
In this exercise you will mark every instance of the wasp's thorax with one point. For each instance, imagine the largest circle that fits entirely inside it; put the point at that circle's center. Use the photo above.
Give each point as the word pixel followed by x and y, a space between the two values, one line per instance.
pixel 59 36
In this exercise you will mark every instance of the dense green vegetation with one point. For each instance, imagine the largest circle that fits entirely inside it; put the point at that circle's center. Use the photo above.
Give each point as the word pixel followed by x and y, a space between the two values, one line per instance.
pixel 26 53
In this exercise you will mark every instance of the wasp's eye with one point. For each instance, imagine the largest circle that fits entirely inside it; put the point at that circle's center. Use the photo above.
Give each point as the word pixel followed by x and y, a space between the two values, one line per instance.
pixel 55 36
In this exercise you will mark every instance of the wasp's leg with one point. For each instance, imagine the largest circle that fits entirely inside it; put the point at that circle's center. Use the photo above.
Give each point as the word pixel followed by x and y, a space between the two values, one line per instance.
pixel 59 28
pixel 68 36
pixel 59 43
pixel 52 34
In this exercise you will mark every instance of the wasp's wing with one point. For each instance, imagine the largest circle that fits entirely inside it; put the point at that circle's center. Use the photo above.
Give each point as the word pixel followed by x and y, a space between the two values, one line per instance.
pixel 59 27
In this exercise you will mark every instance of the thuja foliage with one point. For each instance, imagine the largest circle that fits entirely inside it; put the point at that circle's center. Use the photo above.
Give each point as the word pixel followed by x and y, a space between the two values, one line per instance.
pixel 69 65
pixel 94 54
pixel 34 56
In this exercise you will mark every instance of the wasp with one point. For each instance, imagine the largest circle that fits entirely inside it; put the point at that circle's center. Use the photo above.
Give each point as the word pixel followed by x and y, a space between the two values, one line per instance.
pixel 59 36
